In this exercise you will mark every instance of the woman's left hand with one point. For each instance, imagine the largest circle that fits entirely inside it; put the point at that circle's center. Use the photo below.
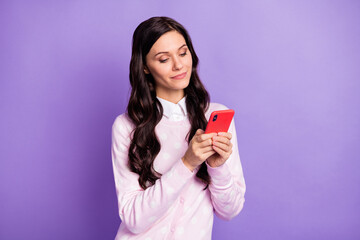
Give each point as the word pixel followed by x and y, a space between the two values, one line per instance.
pixel 223 148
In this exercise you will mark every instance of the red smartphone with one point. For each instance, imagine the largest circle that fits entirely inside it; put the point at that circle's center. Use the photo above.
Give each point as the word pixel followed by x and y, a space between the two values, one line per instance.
pixel 220 121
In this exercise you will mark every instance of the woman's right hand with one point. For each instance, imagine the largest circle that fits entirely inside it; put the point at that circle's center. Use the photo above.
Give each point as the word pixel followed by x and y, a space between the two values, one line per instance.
pixel 200 149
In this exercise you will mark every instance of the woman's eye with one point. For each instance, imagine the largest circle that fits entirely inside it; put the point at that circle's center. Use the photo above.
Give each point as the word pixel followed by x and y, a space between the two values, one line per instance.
pixel 162 61
pixel 183 54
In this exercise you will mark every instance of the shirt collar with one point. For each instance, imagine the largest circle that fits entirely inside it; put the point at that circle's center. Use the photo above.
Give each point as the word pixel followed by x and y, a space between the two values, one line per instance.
pixel 171 108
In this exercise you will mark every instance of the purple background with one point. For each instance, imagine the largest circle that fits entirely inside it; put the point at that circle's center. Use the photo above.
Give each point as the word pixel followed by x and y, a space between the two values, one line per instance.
pixel 290 69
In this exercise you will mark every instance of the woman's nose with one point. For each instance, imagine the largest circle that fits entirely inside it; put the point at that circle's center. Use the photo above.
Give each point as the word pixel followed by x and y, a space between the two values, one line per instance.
pixel 177 63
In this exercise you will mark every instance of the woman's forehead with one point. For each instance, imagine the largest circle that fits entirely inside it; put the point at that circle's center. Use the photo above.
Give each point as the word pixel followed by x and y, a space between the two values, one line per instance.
pixel 169 42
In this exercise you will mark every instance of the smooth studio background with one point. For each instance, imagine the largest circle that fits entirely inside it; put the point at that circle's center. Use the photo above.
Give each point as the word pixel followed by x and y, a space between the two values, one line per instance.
pixel 290 69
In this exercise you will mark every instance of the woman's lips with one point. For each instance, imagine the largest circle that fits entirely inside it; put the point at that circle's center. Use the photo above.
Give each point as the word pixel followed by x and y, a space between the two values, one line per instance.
pixel 180 76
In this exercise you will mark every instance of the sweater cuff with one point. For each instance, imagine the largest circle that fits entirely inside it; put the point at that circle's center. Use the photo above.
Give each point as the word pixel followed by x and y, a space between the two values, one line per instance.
pixel 220 176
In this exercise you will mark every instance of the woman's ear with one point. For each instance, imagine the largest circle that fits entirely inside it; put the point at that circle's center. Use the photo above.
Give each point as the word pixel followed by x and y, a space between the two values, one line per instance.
pixel 146 70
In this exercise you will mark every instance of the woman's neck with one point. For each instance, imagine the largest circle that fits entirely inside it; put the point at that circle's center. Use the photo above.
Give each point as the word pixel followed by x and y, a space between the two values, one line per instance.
pixel 174 98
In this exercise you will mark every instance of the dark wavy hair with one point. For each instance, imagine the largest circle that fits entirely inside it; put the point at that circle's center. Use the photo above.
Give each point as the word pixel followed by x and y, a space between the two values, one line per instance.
pixel 145 110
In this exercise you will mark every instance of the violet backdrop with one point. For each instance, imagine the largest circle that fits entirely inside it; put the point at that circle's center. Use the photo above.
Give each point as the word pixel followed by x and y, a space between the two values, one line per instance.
pixel 290 69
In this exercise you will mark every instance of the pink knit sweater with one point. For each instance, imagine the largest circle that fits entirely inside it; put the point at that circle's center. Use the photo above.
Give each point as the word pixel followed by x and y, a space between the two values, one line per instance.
pixel 176 207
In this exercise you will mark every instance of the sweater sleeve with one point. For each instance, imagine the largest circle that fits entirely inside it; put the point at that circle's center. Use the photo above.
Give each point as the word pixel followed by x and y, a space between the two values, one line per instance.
pixel 227 186
pixel 139 209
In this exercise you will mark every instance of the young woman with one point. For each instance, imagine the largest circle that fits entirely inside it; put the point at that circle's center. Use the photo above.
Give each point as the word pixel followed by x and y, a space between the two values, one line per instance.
pixel 170 177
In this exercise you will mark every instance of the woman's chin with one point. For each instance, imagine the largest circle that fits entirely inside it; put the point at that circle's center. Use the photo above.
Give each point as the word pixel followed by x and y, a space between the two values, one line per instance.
pixel 183 84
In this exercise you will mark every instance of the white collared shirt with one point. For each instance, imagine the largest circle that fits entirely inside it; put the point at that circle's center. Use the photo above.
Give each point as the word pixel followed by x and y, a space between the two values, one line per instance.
pixel 174 111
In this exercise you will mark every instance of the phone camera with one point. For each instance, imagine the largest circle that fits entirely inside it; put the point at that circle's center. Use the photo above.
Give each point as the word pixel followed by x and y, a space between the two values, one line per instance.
pixel 215 117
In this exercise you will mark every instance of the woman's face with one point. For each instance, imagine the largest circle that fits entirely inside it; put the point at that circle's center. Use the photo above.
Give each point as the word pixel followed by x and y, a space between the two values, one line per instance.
pixel 169 62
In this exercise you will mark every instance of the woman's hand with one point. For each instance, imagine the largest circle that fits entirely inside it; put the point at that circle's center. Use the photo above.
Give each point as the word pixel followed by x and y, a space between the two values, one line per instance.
pixel 200 149
pixel 223 148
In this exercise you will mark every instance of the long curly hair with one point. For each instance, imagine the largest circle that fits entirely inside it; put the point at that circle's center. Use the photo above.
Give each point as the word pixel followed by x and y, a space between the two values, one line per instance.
pixel 145 110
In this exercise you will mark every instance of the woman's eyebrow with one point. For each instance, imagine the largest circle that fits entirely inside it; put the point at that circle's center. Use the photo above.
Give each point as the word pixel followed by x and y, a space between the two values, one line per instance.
pixel 168 52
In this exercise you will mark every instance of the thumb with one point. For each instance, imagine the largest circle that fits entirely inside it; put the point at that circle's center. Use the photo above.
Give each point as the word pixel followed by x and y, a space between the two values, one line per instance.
pixel 199 131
